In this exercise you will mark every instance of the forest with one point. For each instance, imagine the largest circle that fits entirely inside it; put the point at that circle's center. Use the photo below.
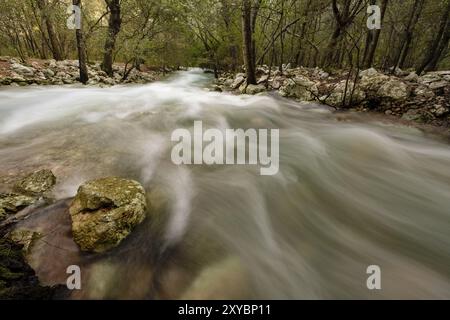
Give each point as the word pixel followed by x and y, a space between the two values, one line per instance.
pixel 224 35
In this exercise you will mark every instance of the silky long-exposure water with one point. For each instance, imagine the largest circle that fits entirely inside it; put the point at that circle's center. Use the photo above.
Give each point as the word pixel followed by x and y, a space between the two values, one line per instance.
pixel 348 195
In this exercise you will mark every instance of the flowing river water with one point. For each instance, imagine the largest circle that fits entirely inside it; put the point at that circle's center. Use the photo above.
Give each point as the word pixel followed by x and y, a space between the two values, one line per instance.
pixel 349 194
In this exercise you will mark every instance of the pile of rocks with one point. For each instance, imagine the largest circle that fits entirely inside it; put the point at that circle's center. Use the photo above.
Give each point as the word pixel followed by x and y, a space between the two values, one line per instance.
pixel 51 72
pixel 423 98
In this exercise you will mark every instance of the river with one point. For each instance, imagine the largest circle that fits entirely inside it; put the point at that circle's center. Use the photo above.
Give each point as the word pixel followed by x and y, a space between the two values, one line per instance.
pixel 349 194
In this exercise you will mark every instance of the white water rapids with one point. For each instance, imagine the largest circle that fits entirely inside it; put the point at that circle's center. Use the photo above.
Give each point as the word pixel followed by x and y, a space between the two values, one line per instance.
pixel 349 194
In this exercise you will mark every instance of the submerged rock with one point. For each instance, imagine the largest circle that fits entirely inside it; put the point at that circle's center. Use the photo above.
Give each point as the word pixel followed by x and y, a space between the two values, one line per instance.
pixel 11 203
pixel 226 279
pixel 105 211
pixel 24 237
pixel 36 183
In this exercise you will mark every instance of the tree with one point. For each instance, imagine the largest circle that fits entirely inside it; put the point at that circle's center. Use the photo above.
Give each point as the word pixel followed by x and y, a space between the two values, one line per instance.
pixel 84 77
pixel 247 36
pixel 344 17
pixel 52 36
pixel 407 37
pixel 438 45
pixel 373 37
pixel 114 24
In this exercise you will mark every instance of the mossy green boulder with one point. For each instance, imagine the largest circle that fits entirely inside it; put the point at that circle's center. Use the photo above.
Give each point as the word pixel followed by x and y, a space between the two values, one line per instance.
pixel 105 211
pixel 36 183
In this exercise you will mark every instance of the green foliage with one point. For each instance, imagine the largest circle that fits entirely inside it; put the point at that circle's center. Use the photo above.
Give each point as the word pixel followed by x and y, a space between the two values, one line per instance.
pixel 208 32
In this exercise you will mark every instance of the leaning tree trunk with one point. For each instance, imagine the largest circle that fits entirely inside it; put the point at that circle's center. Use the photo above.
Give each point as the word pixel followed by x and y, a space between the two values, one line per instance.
pixel 248 51
pixel 114 24
pixel 53 39
pixel 438 45
pixel 81 50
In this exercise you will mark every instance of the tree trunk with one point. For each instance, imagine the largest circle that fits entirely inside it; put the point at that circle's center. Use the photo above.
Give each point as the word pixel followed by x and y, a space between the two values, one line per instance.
pixel 372 38
pixel 84 77
pixel 247 33
pixel 114 24
pixel 53 39
pixel 408 34
pixel 438 45
pixel 344 17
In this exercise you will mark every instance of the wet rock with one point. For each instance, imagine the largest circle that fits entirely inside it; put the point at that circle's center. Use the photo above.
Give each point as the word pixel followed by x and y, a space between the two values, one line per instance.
pixel 228 82
pixel 105 211
pixel 225 279
pixel 255 89
pixel 300 88
pixel 36 183
pixel 11 203
pixel 411 115
pixel 216 88
pixel 24 237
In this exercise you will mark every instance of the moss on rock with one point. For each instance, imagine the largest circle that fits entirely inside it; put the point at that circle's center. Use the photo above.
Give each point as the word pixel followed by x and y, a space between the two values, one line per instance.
pixel 36 183
pixel 105 211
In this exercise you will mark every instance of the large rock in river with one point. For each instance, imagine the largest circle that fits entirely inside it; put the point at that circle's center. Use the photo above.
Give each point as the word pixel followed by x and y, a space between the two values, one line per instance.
pixel 105 211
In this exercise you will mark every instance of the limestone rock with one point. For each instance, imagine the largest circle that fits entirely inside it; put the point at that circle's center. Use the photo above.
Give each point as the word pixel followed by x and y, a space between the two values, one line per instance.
pixel 238 80
pixel 368 73
pixel 394 89
pixel 300 88
pixel 22 70
pixel 105 211
pixel 346 89
pixel 36 183
pixel 412 77
pixel 12 203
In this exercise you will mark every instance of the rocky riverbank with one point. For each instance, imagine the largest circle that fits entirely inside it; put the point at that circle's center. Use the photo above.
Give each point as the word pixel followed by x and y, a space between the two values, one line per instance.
pixel 103 213
pixel 50 72
pixel 406 95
